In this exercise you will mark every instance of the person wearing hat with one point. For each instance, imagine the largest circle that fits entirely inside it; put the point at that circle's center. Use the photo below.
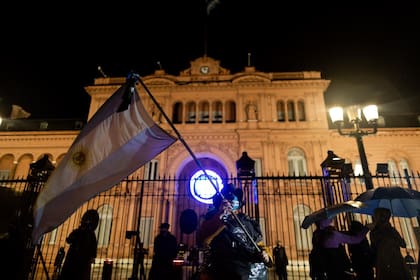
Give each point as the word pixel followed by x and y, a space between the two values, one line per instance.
pixel 231 253
pixel 328 258
pixel 82 251
pixel 165 251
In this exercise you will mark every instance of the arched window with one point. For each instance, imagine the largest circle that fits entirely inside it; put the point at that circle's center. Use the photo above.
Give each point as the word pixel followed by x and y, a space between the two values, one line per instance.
pixel 262 227
pixel 291 117
pixel 297 162
pixel 53 237
pixel 23 166
pixel 190 113
pixel 303 236
pixel 230 112
pixel 405 170
pixel 408 232
pixel 6 166
pixel 394 174
pixel 203 108
pixel 177 113
pixel 358 169
pixel 404 165
pixel 217 112
pixel 146 228
pixel 281 111
pixel 103 231
pixel 258 167
pixel 301 111
pixel 151 170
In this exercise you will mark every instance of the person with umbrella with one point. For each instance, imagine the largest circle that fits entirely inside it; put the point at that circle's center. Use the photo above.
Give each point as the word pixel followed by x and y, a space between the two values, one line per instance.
pixel 361 255
pixel 402 202
pixel 386 243
pixel 328 258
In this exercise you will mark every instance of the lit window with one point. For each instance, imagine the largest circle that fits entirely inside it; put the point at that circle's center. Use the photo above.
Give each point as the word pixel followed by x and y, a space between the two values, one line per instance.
pixel 393 172
pixel 358 169
pixel 291 111
pixel 303 237
pixel 408 232
pixel 151 170
pixel 297 162
pixel 301 111
pixel 53 237
pixel 281 111
pixel 103 231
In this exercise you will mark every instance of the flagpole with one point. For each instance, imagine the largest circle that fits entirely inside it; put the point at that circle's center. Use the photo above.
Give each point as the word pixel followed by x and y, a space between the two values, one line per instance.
pixel 194 157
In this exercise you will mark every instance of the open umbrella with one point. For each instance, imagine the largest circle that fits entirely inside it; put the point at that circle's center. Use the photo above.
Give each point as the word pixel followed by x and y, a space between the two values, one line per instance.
pixel 331 211
pixel 402 202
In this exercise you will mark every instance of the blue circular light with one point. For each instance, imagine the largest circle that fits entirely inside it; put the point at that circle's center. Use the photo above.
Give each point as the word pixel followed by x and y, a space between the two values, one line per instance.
pixel 202 189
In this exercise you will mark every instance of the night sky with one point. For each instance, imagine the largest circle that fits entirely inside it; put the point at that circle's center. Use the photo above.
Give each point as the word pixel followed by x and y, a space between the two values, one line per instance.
pixel 48 54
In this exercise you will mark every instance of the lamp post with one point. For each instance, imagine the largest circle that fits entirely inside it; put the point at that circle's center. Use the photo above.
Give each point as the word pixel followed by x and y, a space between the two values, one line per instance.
pixel 354 114
pixel 331 170
pixel 245 167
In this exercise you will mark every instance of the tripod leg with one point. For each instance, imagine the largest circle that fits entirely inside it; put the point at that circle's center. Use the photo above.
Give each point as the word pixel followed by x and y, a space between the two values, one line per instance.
pixel 39 255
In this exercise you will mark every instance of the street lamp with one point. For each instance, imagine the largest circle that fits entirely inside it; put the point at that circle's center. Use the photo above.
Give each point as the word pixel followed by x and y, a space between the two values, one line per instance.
pixel 354 114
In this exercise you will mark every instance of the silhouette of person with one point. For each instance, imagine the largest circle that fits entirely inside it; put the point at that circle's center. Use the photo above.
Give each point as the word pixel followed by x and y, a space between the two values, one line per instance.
pixel 361 254
pixel 232 255
pixel 140 254
pixel 317 264
pixel 165 251
pixel 386 243
pixel 82 251
pixel 328 243
pixel 280 261
pixel 411 264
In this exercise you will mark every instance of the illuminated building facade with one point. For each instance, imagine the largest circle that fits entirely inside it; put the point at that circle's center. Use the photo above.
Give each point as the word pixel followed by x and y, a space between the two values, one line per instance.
pixel 280 119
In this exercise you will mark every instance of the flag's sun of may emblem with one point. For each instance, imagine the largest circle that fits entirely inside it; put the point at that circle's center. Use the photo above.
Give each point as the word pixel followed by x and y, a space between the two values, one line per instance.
pixel 79 158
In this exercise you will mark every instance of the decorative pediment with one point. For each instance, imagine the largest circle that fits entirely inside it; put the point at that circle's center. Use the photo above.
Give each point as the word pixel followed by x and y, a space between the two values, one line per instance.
pixel 159 82
pixel 205 66
pixel 251 79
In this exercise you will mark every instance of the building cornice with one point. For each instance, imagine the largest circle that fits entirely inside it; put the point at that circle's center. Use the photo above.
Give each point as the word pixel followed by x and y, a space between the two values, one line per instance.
pixel 192 78
pixel 13 138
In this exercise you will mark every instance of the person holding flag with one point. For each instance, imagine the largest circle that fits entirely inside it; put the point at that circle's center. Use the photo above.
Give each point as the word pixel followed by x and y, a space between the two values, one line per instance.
pixel 120 132
pixel 232 255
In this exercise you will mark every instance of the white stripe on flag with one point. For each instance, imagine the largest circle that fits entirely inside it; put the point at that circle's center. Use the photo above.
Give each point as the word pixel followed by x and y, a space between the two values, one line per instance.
pixel 110 147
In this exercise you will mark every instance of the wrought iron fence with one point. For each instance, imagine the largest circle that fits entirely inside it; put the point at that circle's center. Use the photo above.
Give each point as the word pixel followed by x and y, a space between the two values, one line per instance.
pixel 135 208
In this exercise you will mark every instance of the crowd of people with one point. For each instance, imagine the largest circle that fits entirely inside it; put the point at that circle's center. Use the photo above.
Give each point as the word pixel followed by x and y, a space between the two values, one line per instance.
pixel 235 250
pixel 379 259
